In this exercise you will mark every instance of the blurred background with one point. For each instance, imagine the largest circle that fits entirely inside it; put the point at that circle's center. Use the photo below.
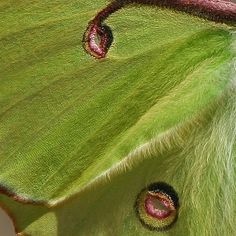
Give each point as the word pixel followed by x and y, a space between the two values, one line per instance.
pixel 6 225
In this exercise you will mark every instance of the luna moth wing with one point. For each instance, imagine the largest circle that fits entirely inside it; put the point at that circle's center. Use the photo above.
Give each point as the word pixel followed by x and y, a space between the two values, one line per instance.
pixel 81 138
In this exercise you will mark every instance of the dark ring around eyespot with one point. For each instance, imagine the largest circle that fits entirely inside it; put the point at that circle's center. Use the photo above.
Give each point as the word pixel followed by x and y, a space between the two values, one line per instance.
pixel 158 187
pixel 109 35
pixel 165 188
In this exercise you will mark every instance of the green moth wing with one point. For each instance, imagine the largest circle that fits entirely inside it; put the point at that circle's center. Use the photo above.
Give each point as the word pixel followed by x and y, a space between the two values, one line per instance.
pixel 80 137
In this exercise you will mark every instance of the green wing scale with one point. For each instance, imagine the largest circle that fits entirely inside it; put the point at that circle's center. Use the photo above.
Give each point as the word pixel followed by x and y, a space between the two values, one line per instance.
pixel 87 144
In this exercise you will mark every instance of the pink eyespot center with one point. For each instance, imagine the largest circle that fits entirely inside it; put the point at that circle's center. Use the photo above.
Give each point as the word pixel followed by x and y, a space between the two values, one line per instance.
pixel 97 40
pixel 94 42
pixel 158 206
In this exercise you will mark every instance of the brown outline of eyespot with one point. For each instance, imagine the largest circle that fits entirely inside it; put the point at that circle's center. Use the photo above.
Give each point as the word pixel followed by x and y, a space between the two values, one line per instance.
pixel 223 11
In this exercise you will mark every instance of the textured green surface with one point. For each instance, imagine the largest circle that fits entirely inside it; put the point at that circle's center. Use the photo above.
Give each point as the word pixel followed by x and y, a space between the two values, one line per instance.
pixel 66 118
